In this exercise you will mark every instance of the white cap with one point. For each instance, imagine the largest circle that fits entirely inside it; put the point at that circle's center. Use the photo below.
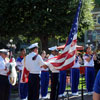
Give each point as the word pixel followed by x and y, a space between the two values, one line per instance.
pixel 4 51
pixel 33 45
pixel 53 48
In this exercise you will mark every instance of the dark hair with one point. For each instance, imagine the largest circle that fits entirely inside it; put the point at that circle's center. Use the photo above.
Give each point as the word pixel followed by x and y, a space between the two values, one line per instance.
pixel 87 48
pixel 43 51
pixel 32 49
pixel 22 49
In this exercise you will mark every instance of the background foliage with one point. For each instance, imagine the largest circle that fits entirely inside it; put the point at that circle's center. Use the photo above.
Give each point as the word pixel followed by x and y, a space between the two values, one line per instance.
pixel 26 20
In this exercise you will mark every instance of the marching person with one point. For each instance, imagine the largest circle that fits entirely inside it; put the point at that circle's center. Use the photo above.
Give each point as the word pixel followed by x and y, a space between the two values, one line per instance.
pixel 4 82
pixel 33 64
pixel 44 78
pixel 23 87
pixel 62 84
pixel 75 74
pixel 89 70
pixel 54 76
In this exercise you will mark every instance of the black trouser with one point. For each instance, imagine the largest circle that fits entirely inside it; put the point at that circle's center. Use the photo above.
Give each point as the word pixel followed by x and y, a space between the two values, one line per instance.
pixel 54 86
pixel 4 88
pixel 33 87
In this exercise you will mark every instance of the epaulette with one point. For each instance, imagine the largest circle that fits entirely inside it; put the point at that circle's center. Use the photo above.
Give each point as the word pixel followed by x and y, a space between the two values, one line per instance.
pixel 34 58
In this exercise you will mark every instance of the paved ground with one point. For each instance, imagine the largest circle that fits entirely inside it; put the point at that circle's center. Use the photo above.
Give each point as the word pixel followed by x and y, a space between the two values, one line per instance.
pixel 70 97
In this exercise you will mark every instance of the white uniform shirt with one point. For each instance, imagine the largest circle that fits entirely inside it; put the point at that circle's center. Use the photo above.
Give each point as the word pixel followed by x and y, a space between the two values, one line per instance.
pixel 76 65
pixel 19 65
pixel 44 69
pixel 3 67
pixel 33 66
pixel 53 69
pixel 90 63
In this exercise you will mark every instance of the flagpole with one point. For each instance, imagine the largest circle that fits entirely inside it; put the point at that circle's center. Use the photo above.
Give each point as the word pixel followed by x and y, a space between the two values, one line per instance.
pixel 82 91
pixel 67 92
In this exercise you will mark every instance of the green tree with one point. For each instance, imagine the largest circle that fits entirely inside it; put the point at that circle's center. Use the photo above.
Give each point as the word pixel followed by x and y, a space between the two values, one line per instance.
pixel 97 2
pixel 41 18
pixel 86 21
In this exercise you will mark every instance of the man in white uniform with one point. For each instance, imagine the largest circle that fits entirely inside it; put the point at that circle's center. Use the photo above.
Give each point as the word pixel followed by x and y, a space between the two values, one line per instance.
pixel 33 64
pixel 54 77
pixel 4 82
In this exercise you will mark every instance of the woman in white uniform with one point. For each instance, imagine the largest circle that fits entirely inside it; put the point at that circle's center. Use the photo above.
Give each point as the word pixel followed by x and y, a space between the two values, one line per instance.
pixel 44 78
pixel 89 70
pixel 75 74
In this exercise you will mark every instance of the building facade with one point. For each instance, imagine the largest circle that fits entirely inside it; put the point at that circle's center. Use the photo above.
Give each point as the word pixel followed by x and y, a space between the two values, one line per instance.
pixel 92 37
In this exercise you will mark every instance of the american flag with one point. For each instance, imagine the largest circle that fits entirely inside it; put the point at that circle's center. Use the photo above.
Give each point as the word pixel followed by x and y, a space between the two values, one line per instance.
pixel 67 58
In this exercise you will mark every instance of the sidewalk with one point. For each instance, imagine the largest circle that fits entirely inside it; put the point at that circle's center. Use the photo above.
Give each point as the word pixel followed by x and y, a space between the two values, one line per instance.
pixel 79 97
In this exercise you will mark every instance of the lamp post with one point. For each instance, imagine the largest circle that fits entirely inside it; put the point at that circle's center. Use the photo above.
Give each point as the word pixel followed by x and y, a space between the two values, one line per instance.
pixel 88 42
pixel 11 46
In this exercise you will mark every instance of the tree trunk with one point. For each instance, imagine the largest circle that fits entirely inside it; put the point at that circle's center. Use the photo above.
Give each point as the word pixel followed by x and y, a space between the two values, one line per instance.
pixel 44 43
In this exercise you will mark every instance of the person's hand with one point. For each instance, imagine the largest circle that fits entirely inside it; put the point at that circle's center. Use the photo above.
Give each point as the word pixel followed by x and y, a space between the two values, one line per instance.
pixel 99 61
pixel 95 57
pixel 44 66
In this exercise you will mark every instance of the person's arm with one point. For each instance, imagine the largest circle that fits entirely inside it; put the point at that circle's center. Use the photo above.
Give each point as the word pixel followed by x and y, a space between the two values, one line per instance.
pixel 94 57
pixel 40 60
pixel 2 66
pixel 96 96
pixel 88 58
pixel 80 60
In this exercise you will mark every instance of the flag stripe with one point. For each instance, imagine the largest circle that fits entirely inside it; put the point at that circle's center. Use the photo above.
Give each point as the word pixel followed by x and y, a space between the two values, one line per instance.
pixel 61 63
pixel 67 66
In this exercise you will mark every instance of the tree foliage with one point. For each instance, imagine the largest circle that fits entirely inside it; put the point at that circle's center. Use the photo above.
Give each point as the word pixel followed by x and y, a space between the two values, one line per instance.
pixel 86 21
pixel 97 2
pixel 26 19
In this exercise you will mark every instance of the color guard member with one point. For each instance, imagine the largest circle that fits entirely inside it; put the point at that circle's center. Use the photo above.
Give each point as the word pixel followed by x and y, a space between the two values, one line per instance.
pixel 62 84
pixel 44 78
pixel 54 77
pixel 23 87
pixel 75 74
pixel 33 64
pixel 4 82
pixel 89 70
